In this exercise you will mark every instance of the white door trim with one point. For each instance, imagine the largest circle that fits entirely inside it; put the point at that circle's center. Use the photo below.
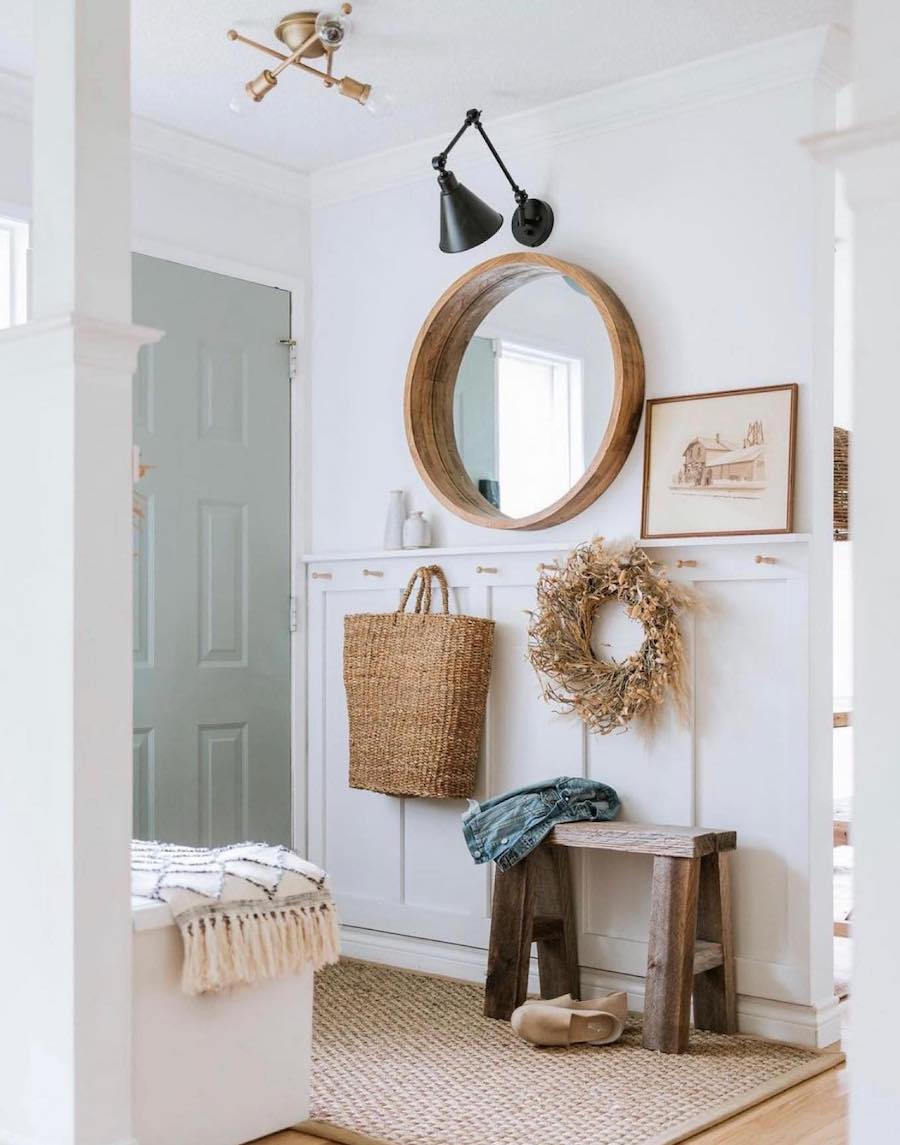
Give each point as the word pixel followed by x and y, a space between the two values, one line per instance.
pixel 300 435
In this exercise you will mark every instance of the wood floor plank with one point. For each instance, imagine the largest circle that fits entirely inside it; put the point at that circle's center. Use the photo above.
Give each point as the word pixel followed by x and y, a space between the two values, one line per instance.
pixel 292 1137
pixel 814 1113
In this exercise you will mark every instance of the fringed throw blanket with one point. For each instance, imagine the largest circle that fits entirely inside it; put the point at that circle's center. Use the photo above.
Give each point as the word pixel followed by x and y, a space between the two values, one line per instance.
pixel 245 912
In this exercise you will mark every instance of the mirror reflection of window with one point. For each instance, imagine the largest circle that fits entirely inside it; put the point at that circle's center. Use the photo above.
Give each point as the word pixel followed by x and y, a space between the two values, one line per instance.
pixel 539 415
pixel 533 396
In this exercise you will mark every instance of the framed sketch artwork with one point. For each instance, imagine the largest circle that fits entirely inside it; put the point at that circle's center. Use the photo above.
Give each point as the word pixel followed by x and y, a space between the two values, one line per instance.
pixel 720 464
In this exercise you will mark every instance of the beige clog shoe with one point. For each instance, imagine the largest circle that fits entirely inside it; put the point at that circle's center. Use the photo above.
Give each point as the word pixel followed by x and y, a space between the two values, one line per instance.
pixel 607 1002
pixel 563 1022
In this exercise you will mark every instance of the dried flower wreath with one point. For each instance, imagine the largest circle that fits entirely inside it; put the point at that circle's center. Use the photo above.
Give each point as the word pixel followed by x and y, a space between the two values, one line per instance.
pixel 609 694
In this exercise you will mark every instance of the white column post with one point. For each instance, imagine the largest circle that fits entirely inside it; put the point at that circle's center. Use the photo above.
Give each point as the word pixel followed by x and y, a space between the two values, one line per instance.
pixel 869 154
pixel 65 604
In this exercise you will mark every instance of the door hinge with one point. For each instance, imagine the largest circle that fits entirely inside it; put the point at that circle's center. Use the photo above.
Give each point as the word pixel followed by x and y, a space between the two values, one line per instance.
pixel 293 615
pixel 291 344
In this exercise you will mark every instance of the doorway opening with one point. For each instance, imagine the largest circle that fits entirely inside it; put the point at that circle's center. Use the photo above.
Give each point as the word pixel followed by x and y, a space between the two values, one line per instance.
pixel 212 574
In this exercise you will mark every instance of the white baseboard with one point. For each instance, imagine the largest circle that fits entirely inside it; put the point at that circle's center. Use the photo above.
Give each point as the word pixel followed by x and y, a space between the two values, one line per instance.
pixel 813 1026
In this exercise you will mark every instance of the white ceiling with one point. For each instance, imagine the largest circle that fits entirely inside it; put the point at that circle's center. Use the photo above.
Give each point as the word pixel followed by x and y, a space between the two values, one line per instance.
pixel 439 56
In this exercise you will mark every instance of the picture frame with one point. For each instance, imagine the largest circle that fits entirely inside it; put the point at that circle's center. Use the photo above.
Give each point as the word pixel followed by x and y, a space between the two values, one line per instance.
pixel 720 464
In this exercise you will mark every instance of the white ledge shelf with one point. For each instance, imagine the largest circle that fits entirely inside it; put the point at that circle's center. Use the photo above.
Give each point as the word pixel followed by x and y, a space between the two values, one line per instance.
pixel 759 539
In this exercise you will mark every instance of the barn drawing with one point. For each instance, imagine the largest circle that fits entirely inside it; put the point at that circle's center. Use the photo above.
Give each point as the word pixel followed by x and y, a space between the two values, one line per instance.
pixel 723 464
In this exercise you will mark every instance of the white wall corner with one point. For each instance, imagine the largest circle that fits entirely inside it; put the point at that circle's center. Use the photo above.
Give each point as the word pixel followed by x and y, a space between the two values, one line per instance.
pixel 820 53
pixel 813 1026
pixel 182 151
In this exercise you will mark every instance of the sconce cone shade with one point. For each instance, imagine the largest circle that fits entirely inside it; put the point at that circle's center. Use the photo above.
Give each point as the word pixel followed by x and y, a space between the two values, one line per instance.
pixel 466 221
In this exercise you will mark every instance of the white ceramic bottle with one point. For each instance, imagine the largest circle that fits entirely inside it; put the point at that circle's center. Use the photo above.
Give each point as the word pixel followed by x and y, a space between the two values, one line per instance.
pixel 393 529
pixel 416 532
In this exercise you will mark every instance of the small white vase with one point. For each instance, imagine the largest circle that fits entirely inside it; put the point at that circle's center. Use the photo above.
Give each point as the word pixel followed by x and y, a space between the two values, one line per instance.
pixel 393 529
pixel 416 532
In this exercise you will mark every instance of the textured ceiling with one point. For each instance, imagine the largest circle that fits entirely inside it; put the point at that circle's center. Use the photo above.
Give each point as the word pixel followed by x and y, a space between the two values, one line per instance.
pixel 438 56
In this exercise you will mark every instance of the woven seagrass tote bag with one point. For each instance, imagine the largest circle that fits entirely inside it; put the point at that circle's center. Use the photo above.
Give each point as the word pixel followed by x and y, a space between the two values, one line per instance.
pixel 417 686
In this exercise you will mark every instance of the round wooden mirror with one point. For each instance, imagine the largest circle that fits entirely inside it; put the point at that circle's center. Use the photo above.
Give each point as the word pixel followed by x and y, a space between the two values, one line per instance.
pixel 524 392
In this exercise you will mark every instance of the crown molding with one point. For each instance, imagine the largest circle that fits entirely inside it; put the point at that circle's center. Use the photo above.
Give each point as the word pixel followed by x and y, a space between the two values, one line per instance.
pixel 820 53
pixel 182 151
pixel 816 53
pixel 189 153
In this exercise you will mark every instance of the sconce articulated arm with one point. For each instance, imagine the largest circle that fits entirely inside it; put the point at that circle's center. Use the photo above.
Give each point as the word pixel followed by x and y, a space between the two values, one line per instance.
pixel 473 119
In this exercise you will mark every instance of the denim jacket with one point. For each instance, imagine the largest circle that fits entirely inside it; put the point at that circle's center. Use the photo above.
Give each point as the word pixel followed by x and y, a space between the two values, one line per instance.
pixel 506 828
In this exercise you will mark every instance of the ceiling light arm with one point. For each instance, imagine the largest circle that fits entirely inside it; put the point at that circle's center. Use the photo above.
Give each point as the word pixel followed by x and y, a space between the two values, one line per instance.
pixel 276 55
pixel 294 57
pixel 258 88
pixel 473 119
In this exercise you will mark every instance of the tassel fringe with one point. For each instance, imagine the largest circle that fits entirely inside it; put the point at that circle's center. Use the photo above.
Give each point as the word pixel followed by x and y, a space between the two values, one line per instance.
pixel 247 944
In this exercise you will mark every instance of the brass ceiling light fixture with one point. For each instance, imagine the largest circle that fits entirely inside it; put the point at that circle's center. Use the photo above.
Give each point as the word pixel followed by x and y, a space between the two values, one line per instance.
pixel 306 36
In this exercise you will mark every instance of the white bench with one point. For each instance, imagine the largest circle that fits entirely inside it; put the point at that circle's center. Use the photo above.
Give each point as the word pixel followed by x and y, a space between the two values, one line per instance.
pixel 219 1069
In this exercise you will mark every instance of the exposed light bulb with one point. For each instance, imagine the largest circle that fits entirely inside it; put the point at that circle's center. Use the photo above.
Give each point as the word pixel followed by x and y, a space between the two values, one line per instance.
pixel 333 28
pixel 239 101
pixel 381 102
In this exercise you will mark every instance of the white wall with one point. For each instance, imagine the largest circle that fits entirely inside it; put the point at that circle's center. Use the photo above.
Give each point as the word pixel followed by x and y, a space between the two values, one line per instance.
pixel 190 197
pixel 692 197
pixel 701 221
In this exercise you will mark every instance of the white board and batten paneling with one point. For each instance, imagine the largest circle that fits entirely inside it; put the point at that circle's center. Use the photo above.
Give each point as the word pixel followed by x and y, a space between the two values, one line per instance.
pixel 407 889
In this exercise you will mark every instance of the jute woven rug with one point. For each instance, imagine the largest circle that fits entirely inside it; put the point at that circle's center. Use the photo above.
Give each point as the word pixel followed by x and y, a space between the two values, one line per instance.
pixel 407 1059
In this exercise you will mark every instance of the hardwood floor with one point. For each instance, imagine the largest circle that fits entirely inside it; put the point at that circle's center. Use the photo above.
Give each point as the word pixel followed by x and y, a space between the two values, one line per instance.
pixel 812 1113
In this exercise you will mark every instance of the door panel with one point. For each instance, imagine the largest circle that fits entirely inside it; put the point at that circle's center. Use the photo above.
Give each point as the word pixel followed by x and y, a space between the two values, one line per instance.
pixel 212 559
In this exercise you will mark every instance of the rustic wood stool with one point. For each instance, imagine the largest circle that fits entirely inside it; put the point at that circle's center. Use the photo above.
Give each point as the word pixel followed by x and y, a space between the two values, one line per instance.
pixel 690 950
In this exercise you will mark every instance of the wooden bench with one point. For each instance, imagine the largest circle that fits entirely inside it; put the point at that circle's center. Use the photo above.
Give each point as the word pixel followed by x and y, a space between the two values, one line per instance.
pixel 690 950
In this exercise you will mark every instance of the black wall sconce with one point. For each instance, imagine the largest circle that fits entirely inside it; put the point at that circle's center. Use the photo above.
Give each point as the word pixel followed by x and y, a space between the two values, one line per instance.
pixel 467 221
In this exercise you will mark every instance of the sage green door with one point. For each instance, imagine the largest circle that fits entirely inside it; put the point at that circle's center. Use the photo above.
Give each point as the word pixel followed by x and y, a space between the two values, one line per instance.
pixel 212 713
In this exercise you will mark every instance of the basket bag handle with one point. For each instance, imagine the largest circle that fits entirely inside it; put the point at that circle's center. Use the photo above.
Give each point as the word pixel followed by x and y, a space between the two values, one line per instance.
pixel 425 575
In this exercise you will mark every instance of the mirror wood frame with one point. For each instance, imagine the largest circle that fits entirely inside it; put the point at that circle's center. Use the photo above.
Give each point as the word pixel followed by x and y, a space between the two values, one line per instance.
pixel 431 379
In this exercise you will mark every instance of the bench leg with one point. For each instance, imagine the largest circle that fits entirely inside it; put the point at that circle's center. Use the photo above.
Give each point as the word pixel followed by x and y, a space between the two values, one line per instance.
pixel 554 928
pixel 509 953
pixel 670 957
pixel 715 999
